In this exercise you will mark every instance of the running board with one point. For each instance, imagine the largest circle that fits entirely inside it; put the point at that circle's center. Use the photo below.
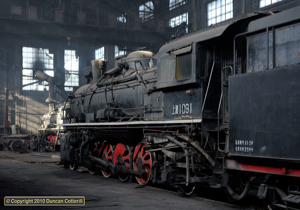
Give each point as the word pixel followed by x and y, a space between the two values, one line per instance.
pixel 159 122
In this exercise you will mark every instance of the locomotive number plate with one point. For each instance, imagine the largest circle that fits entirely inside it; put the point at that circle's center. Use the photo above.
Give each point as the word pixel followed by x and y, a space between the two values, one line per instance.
pixel 183 108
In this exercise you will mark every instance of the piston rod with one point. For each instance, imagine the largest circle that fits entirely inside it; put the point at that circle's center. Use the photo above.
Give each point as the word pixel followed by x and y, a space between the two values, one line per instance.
pixel 115 170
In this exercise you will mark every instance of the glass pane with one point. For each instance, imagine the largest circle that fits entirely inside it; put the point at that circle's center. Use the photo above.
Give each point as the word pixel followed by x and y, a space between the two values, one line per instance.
pixel 219 10
pixel 183 66
pixel 264 3
pixel 167 68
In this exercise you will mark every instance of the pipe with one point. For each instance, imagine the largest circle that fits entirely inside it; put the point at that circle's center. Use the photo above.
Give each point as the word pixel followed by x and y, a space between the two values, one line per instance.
pixel 187 160
pixel 203 152
pixel 50 80
pixel 99 161
pixel 113 168
pixel 187 170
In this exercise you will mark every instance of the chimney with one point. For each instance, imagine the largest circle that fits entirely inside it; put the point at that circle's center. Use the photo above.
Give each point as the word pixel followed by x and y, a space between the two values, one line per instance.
pixel 98 69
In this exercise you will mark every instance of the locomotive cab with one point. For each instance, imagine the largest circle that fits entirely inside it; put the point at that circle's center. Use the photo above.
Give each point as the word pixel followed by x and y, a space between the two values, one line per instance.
pixel 189 74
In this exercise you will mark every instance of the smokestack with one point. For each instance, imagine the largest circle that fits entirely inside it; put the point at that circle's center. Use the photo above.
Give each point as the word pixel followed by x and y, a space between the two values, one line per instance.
pixel 51 107
pixel 50 80
pixel 98 69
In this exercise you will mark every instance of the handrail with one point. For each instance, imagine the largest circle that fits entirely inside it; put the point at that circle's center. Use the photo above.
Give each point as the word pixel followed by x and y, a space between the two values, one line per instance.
pixel 204 101
pixel 220 103
pixel 208 85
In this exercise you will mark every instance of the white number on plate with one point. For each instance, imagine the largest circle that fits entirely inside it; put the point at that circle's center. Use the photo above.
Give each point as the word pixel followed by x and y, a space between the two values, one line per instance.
pixel 182 108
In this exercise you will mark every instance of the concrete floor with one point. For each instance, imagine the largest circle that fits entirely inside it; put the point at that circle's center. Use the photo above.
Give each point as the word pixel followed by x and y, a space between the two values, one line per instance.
pixel 37 174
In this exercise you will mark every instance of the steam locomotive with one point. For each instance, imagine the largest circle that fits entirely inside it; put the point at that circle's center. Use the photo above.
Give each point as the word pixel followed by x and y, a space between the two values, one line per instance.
pixel 215 108
pixel 48 138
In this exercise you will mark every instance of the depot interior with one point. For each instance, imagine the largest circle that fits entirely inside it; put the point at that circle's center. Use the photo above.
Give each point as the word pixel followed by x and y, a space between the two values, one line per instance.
pixel 62 37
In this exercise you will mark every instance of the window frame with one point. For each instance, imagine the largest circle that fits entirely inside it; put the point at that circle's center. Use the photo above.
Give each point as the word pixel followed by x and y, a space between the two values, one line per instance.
pixel 193 78
pixel 119 52
pixel 29 56
pixel 220 13
pixel 177 3
pixel 177 71
pixel 122 18
pixel 100 53
pixel 176 21
pixel 146 13
pixel 73 72
pixel 260 3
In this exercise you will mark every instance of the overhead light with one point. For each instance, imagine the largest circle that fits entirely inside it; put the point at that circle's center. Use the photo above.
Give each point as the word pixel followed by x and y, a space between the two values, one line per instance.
pixel 69 38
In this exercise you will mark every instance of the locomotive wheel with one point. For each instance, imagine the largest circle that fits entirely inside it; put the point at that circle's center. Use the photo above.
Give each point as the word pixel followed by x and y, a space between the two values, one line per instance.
pixel 73 167
pixel 85 152
pixel 121 159
pixel 8 145
pixel 92 172
pixel 237 188
pixel 18 146
pixel 142 161
pixel 107 154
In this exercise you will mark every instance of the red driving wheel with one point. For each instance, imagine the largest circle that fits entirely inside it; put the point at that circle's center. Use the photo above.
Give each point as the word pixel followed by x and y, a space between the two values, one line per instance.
pixel 122 156
pixel 142 160
pixel 107 154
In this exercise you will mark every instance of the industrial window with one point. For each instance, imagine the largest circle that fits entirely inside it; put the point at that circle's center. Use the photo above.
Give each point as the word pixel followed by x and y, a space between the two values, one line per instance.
pixel 34 59
pixel 119 52
pixel 176 3
pixel 146 11
pixel 71 70
pixel 183 66
pixel 176 21
pixel 264 3
pixel 219 11
pixel 99 54
pixel 122 18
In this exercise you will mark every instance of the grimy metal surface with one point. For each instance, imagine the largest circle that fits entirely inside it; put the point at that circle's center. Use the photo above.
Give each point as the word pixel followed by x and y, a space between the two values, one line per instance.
pixel 183 104
pixel 263 113
pixel 167 99
pixel 270 21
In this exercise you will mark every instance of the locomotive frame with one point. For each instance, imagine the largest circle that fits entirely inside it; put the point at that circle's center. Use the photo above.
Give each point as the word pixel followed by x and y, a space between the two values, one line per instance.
pixel 181 122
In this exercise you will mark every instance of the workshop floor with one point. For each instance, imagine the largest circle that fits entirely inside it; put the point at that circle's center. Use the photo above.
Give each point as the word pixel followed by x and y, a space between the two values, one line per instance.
pixel 33 174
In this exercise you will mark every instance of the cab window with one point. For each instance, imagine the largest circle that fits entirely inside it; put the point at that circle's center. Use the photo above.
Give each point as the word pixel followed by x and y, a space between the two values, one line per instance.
pixel 183 66
pixel 167 66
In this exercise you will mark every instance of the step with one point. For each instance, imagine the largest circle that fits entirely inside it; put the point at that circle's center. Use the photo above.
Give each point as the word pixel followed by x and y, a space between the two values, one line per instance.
pixel 280 206
pixel 291 198
pixel 218 171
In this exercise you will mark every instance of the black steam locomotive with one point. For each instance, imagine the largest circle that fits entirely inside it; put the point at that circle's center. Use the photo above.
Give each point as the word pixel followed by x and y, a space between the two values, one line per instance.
pixel 215 108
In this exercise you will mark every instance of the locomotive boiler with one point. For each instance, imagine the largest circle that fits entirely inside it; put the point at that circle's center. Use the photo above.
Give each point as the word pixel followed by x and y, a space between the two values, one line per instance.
pixel 215 108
